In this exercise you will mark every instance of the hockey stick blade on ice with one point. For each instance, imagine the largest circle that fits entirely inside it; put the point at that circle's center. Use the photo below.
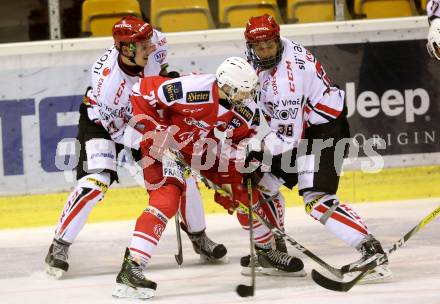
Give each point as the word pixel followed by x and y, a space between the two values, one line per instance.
pixel 346 286
pixel 244 290
pixel 179 255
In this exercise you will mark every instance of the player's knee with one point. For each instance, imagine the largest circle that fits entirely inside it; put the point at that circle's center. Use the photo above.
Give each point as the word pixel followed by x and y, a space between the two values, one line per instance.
pixel 319 205
pixel 166 199
pixel 96 181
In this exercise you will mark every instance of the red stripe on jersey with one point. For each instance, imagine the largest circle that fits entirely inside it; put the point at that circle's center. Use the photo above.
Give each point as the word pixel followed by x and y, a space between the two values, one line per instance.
pixel 328 110
pixel 342 219
pixel 78 208
pixel 139 251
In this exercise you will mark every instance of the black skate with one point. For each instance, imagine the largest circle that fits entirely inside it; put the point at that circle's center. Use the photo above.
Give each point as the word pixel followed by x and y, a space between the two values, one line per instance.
pixel 280 244
pixel 131 282
pixel 209 250
pixel 273 262
pixel 56 259
pixel 370 250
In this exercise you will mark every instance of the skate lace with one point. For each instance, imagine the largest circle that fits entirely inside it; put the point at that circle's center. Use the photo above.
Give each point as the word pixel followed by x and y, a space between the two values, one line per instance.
pixel 136 271
pixel 279 257
pixel 59 251
pixel 206 243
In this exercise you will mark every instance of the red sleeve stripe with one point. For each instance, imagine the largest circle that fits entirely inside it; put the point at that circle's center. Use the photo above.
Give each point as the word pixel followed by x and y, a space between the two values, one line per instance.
pixel 328 110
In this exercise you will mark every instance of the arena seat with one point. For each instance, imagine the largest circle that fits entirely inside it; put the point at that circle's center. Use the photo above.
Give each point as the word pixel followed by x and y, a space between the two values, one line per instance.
pixel 236 13
pixel 372 9
pixel 99 16
pixel 181 15
pixel 310 10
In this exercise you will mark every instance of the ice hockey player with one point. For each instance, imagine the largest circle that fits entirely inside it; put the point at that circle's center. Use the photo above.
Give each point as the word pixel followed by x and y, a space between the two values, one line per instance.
pixel 186 110
pixel 433 44
pixel 307 116
pixel 138 50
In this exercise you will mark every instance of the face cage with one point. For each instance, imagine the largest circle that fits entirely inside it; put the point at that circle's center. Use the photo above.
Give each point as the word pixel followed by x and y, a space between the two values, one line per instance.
pixel 243 103
pixel 264 64
pixel 433 50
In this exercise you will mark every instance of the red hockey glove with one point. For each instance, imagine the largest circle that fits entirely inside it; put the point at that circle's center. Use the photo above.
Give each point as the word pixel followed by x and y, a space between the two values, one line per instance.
pixel 239 194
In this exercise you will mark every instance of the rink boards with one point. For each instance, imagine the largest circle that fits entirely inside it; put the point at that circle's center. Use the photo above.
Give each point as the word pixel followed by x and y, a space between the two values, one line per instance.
pixel 392 97
pixel 128 203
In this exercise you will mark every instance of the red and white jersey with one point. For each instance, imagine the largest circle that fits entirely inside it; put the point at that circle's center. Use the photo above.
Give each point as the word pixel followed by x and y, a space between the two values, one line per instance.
pixel 192 104
pixel 111 86
pixel 295 94
pixel 433 9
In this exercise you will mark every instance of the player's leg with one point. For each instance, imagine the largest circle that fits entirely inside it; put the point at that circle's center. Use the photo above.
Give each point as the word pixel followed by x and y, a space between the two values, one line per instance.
pixel 270 260
pixel 95 172
pixel 194 224
pixel 165 184
pixel 318 180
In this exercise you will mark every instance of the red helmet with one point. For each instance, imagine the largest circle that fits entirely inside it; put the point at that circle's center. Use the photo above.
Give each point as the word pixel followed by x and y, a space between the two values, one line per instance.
pixel 131 29
pixel 261 28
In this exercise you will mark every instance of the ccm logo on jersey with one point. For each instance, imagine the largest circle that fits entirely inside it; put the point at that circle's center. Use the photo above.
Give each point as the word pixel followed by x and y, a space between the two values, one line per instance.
pixel 160 56
pixel 197 96
pixel 173 91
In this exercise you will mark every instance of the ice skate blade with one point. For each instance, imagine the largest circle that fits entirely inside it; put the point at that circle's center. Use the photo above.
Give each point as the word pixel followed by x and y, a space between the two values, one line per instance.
pixel 379 275
pixel 54 273
pixel 123 291
pixel 261 271
pixel 209 260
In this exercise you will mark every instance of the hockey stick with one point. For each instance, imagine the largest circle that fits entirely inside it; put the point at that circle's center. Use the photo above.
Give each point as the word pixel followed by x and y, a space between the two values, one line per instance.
pixel 346 286
pixel 335 271
pixel 244 290
pixel 179 255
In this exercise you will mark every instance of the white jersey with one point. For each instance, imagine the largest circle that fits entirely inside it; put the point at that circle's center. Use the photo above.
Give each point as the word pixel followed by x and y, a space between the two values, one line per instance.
pixel 433 9
pixel 294 95
pixel 111 87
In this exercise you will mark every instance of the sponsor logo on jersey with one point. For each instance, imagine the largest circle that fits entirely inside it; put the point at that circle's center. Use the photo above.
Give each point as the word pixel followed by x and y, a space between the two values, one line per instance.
pixel 193 122
pixel 160 56
pixel 162 41
pixel 290 76
pixel 286 103
pixel 106 71
pixel 102 154
pixel 256 119
pixel 158 229
pixel 197 96
pixel 100 63
pixel 245 112
pixel 235 123
pixel 173 91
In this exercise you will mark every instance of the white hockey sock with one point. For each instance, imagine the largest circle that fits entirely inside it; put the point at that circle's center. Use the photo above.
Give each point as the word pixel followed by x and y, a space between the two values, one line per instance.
pixel 191 207
pixel 339 219
pixel 89 190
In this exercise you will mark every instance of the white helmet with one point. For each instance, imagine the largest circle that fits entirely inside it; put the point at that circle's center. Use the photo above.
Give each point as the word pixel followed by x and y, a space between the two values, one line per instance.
pixel 240 77
pixel 433 44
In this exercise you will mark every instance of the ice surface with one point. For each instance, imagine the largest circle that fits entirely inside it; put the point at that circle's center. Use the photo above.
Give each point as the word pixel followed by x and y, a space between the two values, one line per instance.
pixel 96 257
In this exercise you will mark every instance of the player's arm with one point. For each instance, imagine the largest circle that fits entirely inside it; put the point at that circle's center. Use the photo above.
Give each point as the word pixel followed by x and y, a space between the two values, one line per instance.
pixel 322 101
pixel 433 43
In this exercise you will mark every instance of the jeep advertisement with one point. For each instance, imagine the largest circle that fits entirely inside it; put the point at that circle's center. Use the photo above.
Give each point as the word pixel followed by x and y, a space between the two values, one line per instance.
pixel 392 93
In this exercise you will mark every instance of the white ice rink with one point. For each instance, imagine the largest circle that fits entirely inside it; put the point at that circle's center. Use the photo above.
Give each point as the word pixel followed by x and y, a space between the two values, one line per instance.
pixel 96 257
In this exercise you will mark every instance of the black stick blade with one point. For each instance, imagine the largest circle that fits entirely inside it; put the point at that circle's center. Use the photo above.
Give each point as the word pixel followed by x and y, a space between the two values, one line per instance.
pixel 330 284
pixel 179 259
pixel 245 291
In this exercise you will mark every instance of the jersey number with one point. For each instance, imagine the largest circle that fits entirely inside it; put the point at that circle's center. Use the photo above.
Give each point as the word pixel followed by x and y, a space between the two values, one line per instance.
pixel 286 130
